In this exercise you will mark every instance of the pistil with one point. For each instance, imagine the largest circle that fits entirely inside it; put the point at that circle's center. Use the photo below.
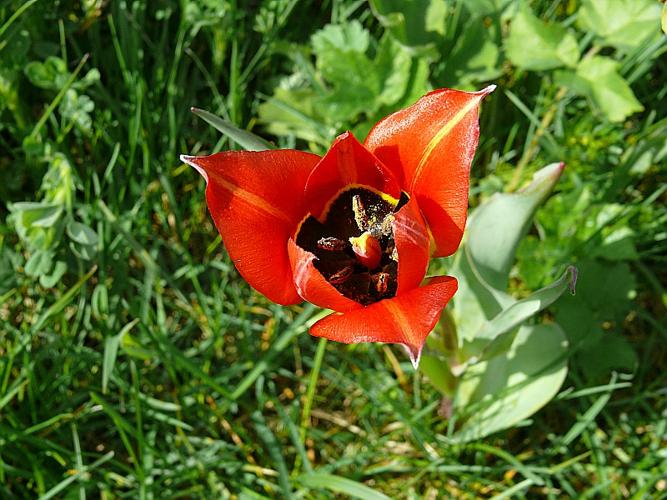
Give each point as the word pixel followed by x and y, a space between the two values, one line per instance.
pixel 367 250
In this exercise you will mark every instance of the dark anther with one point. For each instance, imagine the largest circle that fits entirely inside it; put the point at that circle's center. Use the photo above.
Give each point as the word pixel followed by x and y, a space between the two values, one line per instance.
pixel 381 281
pixel 341 276
pixel 332 244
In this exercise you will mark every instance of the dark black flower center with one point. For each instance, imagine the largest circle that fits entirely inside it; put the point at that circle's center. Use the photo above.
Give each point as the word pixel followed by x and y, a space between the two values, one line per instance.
pixel 354 244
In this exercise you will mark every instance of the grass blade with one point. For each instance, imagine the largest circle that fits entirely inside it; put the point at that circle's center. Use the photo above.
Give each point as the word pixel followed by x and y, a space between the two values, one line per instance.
pixel 320 480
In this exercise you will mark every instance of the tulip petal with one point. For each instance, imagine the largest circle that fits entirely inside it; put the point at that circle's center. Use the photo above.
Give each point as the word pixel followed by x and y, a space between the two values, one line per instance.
pixel 406 319
pixel 256 201
pixel 412 245
pixel 429 147
pixel 347 163
pixel 312 286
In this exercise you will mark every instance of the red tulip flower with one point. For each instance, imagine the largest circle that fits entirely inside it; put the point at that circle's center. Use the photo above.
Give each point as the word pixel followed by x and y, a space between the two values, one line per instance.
pixel 353 230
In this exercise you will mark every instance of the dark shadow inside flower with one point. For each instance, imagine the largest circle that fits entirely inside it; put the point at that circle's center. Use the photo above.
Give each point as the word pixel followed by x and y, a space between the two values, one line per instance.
pixel 354 243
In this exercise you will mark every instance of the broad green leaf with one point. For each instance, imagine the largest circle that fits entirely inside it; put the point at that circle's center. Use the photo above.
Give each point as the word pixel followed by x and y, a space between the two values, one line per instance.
pixel 496 227
pixel 247 140
pixel 535 45
pixel 294 111
pixel 35 214
pixel 50 74
pixel 623 24
pixel 40 262
pixel 498 333
pixel 37 224
pixel 663 19
pixel 342 61
pixel 81 233
pixel 341 485
pixel 351 37
pixel 605 293
pixel 618 245
pixel 486 7
pixel 393 63
pixel 475 56
pixel 608 89
pixel 86 252
pixel 412 22
pixel 51 280
pixel 499 393
pixel 611 352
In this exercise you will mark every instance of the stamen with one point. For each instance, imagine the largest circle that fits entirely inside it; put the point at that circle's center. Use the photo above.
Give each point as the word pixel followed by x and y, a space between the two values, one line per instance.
pixel 331 244
pixel 394 254
pixel 360 216
pixel 354 245
pixel 383 228
pixel 341 276
pixel 381 281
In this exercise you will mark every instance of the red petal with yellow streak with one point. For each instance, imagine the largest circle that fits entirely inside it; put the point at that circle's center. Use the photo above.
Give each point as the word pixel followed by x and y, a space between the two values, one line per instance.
pixel 347 163
pixel 256 201
pixel 429 147
pixel 412 245
pixel 312 286
pixel 406 319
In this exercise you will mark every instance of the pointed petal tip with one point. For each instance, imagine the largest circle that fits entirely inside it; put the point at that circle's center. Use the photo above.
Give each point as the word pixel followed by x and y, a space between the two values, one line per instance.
pixel 487 90
pixel 414 353
pixel 190 160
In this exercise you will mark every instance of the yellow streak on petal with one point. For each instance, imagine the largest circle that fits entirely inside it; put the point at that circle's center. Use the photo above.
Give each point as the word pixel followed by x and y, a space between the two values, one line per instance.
pixel 443 132
pixel 252 199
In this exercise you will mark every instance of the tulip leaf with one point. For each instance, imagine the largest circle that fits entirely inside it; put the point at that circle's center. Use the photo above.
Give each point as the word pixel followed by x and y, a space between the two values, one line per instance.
pixel 476 302
pixel 437 371
pixel 497 226
pixel 501 392
pixel 624 24
pixel 247 140
pixel 496 335
pixel 597 77
pixel 535 45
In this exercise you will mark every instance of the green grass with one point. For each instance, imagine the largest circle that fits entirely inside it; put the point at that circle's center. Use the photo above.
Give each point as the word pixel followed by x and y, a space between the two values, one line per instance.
pixel 149 368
